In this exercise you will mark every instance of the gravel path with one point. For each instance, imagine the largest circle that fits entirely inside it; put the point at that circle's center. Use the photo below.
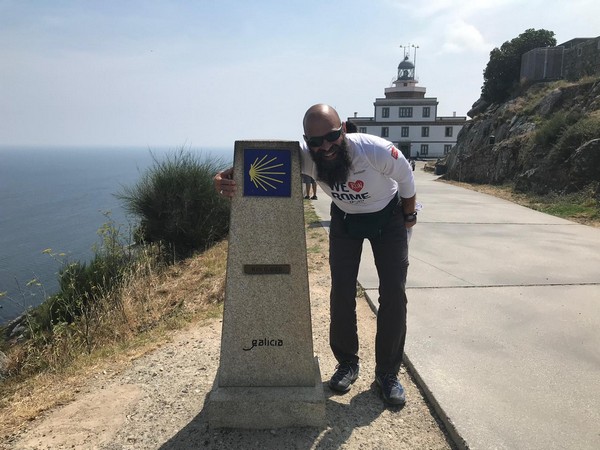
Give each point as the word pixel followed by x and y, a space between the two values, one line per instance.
pixel 158 402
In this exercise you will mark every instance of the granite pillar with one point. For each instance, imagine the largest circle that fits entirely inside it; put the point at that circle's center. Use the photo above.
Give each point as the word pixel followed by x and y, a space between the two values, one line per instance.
pixel 268 374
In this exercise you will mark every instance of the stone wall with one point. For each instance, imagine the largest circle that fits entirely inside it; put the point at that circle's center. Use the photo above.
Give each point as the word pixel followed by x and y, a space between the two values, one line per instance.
pixel 573 60
pixel 582 60
pixel 542 64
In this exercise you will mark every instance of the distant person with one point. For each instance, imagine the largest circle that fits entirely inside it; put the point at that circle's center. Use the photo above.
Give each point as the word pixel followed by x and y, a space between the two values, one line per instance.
pixel 350 127
pixel 373 192
pixel 309 183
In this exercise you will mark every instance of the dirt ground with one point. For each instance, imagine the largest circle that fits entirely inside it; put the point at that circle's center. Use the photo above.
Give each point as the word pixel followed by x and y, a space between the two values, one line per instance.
pixel 158 402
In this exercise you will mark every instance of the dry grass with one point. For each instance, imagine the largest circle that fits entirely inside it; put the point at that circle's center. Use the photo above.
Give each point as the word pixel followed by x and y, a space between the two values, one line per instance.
pixel 551 205
pixel 153 304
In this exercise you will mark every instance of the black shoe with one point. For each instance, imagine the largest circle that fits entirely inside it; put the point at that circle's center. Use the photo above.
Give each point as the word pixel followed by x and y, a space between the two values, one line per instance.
pixel 306 197
pixel 391 389
pixel 314 197
pixel 344 376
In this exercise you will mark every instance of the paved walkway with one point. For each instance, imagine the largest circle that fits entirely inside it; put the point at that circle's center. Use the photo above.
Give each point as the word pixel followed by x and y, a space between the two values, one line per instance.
pixel 503 319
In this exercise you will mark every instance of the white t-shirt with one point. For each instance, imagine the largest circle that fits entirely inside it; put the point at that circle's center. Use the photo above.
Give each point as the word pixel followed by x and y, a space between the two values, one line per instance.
pixel 378 171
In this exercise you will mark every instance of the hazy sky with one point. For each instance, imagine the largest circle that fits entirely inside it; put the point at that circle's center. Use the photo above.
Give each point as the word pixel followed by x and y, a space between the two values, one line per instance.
pixel 206 73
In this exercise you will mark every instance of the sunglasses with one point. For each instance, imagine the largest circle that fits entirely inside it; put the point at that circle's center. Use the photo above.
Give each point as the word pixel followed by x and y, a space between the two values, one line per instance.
pixel 317 141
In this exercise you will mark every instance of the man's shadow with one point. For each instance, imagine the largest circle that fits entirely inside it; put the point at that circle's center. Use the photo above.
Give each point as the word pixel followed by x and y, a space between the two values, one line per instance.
pixel 341 418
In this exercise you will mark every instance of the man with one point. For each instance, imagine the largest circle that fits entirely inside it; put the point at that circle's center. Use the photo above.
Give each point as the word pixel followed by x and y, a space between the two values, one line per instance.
pixel 309 183
pixel 373 192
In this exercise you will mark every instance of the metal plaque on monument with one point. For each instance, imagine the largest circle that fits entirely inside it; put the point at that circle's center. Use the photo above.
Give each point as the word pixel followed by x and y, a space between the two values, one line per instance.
pixel 268 374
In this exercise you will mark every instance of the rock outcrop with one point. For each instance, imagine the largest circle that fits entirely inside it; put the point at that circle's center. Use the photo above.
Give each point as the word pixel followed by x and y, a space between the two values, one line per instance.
pixel 547 139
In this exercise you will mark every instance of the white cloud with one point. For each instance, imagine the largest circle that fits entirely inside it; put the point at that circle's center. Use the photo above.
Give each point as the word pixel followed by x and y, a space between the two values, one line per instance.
pixel 462 37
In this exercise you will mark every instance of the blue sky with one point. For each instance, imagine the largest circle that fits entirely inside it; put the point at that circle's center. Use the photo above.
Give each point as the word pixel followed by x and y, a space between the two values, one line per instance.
pixel 206 73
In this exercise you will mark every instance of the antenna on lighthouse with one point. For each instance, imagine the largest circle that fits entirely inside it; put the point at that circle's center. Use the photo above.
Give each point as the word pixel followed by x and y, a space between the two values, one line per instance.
pixel 404 47
pixel 415 58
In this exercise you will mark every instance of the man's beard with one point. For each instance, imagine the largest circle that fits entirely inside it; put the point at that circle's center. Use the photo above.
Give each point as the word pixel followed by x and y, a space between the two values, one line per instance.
pixel 333 171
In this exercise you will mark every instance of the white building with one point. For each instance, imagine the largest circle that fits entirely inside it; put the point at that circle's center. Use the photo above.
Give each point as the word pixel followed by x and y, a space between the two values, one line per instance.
pixel 409 119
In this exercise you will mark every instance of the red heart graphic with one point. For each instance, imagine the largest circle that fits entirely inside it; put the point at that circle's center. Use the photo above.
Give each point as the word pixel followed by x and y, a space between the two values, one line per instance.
pixel 356 186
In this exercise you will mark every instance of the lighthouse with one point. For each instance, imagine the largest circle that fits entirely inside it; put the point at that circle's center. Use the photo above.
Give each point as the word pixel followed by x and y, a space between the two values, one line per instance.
pixel 406 117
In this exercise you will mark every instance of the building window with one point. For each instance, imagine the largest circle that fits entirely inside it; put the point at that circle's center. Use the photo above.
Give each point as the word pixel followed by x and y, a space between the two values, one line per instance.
pixel 385 131
pixel 385 112
pixel 424 131
pixel 405 111
pixel 362 129
pixel 404 132
pixel 448 131
pixel 447 148
pixel 424 149
pixel 426 111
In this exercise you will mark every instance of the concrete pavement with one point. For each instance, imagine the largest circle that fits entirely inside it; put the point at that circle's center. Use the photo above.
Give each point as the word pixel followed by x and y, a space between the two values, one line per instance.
pixel 503 319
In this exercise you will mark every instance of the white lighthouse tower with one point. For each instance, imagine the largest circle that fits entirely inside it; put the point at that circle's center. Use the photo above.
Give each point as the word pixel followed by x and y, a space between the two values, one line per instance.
pixel 409 119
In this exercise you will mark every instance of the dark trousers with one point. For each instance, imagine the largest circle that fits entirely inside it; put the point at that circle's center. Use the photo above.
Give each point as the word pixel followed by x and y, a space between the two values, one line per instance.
pixel 390 251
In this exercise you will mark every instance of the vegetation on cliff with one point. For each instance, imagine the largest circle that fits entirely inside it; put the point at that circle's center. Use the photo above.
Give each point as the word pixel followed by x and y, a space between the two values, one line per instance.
pixel 106 301
pixel 546 140
pixel 177 205
pixel 540 139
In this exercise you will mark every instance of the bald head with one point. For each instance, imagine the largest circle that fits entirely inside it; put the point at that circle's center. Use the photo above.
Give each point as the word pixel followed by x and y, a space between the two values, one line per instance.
pixel 320 119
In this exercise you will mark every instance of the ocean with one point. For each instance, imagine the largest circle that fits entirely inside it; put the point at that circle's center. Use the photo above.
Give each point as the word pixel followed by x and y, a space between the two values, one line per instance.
pixel 57 199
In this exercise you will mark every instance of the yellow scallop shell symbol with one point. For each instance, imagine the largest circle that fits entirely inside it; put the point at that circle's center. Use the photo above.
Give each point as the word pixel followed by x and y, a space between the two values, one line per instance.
pixel 263 175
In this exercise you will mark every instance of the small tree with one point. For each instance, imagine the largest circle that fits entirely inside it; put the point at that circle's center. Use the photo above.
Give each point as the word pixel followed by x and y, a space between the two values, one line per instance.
pixel 177 205
pixel 502 73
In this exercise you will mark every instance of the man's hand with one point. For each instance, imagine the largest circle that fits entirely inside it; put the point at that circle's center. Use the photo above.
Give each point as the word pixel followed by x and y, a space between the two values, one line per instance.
pixel 224 183
pixel 409 206
pixel 410 224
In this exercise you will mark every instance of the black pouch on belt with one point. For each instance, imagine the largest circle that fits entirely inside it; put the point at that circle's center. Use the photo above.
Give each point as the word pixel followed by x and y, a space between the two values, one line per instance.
pixel 368 225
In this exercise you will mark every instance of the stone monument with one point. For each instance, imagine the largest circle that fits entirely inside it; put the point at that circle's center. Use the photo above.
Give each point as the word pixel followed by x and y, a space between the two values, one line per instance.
pixel 268 374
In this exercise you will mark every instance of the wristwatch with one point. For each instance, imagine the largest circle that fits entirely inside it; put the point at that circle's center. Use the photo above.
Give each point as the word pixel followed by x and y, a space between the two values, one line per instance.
pixel 410 217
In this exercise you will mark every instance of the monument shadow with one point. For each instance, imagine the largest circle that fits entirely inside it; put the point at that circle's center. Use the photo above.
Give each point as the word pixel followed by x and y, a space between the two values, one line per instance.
pixel 341 418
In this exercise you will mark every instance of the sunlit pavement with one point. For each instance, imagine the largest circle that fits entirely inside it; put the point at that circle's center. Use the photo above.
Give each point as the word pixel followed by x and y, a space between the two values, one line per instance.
pixel 503 319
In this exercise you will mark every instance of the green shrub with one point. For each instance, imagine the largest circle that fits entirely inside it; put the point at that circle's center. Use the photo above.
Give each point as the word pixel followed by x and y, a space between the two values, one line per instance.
pixel 83 286
pixel 177 205
pixel 574 136
pixel 550 130
pixel 501 75
pixel 583 130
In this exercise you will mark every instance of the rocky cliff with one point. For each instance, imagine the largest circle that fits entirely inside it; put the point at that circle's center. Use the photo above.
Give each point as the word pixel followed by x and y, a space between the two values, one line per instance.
pixel 545 140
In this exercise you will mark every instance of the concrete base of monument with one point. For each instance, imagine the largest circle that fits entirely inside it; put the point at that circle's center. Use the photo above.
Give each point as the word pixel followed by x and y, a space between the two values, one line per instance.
pixel 266 407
